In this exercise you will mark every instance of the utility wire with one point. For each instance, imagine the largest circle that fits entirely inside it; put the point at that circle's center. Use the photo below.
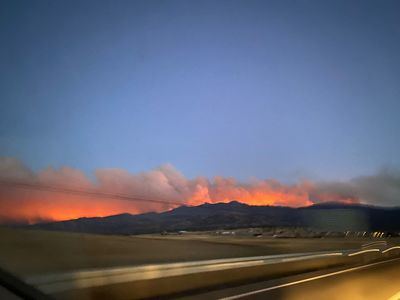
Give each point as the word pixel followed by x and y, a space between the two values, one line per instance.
pixel 59 189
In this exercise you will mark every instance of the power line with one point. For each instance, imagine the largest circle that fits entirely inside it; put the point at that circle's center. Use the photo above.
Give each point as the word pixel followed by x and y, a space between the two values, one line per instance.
pixel 59 189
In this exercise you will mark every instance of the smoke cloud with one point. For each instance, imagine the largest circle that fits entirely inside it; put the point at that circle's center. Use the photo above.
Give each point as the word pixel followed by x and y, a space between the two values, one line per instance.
pixel 18 205
pixel 382 188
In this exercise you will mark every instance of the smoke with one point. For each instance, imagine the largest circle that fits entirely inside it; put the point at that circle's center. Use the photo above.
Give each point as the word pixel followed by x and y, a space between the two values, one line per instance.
pixel 382 188
pixel 168 185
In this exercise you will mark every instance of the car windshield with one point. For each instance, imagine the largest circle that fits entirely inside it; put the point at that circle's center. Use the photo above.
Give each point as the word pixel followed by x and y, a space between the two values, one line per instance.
pixel 200 149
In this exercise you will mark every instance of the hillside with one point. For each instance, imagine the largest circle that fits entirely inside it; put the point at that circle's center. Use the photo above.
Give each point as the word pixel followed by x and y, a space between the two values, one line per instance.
pixel 331 217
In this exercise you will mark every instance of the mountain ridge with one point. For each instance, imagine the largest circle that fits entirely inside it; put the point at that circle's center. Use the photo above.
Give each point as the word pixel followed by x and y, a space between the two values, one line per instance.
pixel 210 216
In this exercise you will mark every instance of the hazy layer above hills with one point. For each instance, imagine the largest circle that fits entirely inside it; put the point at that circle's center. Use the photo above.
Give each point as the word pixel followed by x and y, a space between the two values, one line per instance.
pixel 332 217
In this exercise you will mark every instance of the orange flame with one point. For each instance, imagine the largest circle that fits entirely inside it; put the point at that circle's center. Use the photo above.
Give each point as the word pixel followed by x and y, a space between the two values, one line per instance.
pixel 164 183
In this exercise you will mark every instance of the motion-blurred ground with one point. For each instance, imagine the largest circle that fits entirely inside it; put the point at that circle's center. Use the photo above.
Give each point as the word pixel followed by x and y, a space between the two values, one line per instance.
pixel 29 252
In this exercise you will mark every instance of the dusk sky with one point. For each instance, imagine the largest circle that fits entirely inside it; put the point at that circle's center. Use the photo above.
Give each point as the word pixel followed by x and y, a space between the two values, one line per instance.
pixel 246 89
pixel 237 88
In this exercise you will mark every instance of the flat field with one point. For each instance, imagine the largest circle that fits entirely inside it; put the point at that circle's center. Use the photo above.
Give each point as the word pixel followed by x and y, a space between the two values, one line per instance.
pixel 29 252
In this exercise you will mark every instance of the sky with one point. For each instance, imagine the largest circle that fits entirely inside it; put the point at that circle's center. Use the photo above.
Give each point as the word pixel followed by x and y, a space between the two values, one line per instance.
pixel 282 90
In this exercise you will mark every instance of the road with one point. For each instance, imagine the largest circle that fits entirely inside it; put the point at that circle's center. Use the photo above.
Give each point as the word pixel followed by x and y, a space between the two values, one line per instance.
pixel 55 283
pixel 380 280
pixel 154 266
pixel 75 251
pixel 156 280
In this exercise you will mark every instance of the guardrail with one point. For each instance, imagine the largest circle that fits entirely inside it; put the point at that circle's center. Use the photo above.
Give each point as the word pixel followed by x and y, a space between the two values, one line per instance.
pixel 165 279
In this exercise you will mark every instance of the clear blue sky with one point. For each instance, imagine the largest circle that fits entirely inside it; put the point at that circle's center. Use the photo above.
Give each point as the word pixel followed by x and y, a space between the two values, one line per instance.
pixel 281 89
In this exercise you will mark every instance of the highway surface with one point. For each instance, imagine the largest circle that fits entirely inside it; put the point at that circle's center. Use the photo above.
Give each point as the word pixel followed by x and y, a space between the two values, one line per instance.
pixel 363 273
pixel 375 281
pixel 54 283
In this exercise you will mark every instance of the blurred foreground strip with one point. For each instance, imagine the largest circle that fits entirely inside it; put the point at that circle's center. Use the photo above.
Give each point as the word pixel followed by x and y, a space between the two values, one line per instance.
pixel 173 278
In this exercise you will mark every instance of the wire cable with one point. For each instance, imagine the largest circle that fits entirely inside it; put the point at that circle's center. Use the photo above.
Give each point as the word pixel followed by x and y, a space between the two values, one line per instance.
pixel 59 189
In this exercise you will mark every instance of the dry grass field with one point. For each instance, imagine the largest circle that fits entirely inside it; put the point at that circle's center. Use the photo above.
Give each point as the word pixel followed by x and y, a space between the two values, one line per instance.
pixel 28 252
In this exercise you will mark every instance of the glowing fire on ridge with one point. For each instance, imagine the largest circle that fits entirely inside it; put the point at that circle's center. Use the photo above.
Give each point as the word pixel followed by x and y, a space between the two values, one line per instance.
pixel 165 184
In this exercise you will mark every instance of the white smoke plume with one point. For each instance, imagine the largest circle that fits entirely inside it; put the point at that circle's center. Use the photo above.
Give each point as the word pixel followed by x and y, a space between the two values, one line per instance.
pixel 168 186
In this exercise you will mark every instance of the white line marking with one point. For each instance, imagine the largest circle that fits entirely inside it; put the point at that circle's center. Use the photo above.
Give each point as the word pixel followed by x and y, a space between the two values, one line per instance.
pixel 395 296
pixel 308 257
pixel 306 280
pixel 377 243
pixel 391 248
pixel 364 251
